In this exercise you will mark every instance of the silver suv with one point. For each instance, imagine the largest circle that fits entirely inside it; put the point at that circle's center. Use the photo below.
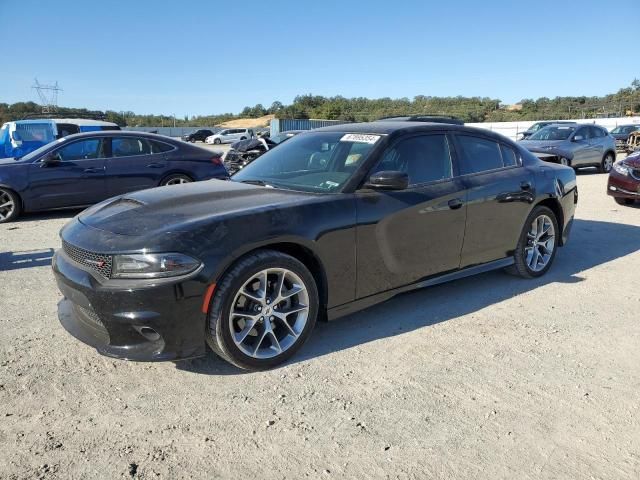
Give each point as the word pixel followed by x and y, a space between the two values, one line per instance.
pixel 574 145
pixel 230 135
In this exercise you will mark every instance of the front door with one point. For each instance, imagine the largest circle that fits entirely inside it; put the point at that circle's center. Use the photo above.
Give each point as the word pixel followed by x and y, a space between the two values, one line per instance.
pixel 76 179
pixel 404 236
pixel 134 165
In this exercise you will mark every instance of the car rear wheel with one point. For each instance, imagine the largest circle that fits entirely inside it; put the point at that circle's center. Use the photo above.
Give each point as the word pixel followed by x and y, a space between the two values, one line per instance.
pixel 623 201
pixel 607 163
pixel 176 179
pixel 9 205
pixel 217 141
pixel 263 311
pixel 192 140
pixel 537 245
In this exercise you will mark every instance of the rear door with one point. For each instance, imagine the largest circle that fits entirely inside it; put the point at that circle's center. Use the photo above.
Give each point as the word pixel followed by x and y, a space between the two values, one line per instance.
pixel 77 179
pixel 499 191
pixel 135 164
pixel 404 236
pixel 583 150
pixel 598 143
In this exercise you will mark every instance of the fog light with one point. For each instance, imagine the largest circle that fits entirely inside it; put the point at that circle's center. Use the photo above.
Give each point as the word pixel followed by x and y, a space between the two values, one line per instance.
pixel 149 333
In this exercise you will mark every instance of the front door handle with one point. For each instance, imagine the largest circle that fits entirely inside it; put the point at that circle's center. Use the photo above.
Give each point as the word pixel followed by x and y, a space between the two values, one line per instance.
pixel 157 165
pixel 455 203
pixel 93 170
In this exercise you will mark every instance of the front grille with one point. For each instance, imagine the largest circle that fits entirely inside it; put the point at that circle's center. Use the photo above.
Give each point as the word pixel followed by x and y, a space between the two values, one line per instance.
pixel 95 261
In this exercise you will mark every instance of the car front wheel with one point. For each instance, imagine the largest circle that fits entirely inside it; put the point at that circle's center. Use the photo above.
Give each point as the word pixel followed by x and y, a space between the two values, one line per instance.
pixel 217 141
pixel 623 201
pixel 9 205
pixel 263 311
pixel 607 163
pixel 537 245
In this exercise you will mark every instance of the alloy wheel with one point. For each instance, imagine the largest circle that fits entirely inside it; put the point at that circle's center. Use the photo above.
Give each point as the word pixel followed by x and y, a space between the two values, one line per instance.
pixel 541 242
pixel 269 313
pixel 7 205
pixel 607 163
pixel 177 181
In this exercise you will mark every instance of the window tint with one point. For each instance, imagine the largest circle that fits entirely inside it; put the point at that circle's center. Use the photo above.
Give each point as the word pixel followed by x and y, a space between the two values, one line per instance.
pixel 84 149
pixel 596 132
pixel 424 158
pixel 479 155
pixel 160 147
pixel 584 132
pixel 129 146
pixel 509 157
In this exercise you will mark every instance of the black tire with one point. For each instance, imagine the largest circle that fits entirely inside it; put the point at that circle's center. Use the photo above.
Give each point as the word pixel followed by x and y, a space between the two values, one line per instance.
pixel 218 330
pixel 192 140
pixel 243 138
pixel 623 201
pixel 176 179
pixel 520 266
pixel 217 141
pixel 10 212
pixel 605 165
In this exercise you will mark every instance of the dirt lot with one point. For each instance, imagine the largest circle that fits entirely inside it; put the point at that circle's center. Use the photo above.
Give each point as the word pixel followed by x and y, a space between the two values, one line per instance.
pixel 489 377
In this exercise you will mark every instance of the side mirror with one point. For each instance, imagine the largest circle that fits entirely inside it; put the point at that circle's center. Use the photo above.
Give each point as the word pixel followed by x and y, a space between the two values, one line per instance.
pixel 51 158
pixel 578 138
pixel 388 180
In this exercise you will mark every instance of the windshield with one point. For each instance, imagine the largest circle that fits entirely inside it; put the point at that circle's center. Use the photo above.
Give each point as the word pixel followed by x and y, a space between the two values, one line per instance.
pixel 552 132
pixel 311 162
pixel 36 153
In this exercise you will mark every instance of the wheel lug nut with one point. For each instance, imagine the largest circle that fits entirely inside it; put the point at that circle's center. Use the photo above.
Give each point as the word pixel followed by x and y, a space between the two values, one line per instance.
pixel 268 301
pixel 271 318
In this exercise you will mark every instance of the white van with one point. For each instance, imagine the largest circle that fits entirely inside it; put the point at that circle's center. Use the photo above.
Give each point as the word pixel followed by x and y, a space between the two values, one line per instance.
pixel 230 135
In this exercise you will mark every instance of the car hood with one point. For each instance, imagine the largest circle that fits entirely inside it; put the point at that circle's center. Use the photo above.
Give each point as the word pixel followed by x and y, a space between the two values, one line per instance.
pixel 619 136
pixel 633 160
pixel 552 147
pixel 177 208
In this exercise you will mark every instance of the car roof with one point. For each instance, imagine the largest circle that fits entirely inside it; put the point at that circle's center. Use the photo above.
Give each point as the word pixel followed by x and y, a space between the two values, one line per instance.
pixel 392 127
pixel 118 133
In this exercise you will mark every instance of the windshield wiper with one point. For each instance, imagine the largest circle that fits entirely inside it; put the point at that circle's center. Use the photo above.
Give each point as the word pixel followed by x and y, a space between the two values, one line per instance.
pixel 262 183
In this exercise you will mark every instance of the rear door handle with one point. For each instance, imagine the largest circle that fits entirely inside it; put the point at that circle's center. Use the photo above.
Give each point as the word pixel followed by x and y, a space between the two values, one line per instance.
pixel 157 165
pixel 93 170
pixel 455 203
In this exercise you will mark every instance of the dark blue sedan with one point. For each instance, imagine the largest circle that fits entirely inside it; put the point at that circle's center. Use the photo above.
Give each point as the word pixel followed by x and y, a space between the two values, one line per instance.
pixel 86 168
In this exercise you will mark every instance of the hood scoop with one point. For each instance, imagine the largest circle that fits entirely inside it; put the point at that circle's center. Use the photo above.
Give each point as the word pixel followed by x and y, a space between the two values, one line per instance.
pixel 118 206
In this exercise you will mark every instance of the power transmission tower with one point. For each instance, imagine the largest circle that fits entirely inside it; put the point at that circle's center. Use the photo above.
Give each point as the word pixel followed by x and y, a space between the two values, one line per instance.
pixel 48 95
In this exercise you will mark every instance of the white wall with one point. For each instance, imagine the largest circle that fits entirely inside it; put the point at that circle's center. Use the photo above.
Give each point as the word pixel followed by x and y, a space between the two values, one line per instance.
pixel 513 129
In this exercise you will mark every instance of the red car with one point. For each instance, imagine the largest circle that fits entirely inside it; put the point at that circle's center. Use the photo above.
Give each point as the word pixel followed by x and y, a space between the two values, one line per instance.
pixel 624 180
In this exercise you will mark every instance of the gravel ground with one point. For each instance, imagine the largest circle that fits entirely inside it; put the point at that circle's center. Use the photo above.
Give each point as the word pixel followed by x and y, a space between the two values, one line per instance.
pixel 488 377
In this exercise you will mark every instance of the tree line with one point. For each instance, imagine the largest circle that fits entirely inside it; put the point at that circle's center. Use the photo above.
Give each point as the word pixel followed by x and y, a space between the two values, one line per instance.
pixel 470 109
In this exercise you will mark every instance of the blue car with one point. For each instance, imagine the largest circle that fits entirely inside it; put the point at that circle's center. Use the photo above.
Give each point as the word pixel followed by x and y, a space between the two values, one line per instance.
pixel 86 168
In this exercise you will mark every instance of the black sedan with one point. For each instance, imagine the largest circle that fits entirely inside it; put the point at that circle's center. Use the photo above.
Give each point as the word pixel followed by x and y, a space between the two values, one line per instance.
pixel 197 135
pixel 330 222
pixel 86 168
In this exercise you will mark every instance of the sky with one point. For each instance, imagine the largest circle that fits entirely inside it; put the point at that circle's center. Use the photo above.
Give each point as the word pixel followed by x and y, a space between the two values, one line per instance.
pixel 208 57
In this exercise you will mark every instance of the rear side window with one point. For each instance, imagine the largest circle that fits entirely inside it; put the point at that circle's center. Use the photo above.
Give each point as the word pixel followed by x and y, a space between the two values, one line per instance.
pixel 424 158
pixel 596 132
pixel 478 155
pixel 509 157
pixel 159 147
pixel 129 146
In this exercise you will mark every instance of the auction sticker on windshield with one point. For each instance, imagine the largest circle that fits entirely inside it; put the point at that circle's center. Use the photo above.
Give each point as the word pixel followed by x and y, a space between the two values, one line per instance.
pixel 358 138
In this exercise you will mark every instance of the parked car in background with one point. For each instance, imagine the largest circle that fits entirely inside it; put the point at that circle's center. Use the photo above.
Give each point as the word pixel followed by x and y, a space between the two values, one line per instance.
pixel 329 222
pixel 197 135
pixel 230 135
pixel 86 168
pixel 574 145
pixel 539 125
pixel 244 152
pixel 624 180
pixel 621 134
pixel 21 137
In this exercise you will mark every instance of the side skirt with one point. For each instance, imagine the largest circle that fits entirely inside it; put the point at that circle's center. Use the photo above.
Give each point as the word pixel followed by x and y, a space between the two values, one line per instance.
pixel 362 303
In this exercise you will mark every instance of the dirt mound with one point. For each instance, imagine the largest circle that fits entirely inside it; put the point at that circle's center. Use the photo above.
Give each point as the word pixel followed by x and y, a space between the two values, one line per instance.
pixel 248 122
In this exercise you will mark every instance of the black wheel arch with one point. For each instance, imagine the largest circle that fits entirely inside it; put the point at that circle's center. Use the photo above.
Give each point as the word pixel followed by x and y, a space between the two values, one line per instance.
pixel 16 193
pixel 554 205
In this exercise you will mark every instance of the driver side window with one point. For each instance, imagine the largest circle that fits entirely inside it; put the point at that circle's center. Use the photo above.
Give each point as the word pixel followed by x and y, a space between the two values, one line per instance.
pixel 82 150
pixel 425 158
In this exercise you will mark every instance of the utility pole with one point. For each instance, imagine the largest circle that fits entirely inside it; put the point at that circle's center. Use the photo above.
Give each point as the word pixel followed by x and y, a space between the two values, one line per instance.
pixel 174 120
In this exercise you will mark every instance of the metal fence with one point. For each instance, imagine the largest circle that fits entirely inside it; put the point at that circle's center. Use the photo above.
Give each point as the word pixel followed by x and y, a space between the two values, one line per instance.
pixel 285 124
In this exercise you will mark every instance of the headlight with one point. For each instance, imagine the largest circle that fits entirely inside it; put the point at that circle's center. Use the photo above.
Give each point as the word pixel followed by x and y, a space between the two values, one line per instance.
pixel 153 265
pixel 621 168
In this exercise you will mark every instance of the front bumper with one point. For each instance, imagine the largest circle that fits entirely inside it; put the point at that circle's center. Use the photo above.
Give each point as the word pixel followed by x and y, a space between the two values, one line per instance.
pixel 623 186
pixel 150 322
